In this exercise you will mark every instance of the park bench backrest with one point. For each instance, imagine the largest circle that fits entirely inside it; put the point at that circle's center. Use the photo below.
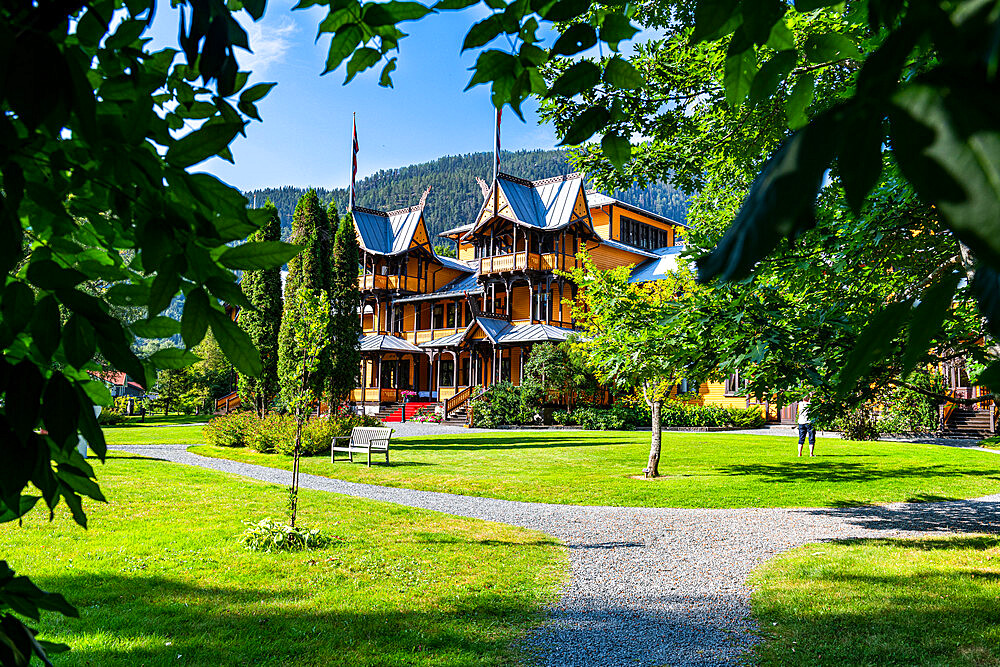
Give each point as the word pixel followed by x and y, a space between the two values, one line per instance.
pixel 362 436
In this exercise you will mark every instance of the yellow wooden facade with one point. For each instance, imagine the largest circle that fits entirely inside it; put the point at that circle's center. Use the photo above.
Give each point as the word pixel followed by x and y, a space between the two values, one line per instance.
pixel 437 326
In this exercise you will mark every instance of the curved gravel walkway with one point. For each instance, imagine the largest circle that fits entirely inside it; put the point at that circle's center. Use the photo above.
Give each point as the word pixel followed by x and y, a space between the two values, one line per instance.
pixel 651 586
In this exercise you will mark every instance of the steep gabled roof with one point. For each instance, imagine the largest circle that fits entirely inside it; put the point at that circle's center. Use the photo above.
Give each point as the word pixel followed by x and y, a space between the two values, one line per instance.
pixel 387 233
pixel 465 285
pixel 548 203
pixel 385 343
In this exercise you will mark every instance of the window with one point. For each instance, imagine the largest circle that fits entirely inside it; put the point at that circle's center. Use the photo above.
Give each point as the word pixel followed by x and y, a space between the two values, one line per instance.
pixel 463 372
pixel 448 373
pixel 548 244
pixel 505 369
pixel 452 307
pixel 468 313
pixel 397 318
pixel 438 317
pixel 733 384
pixel 642 235
pixel 541 305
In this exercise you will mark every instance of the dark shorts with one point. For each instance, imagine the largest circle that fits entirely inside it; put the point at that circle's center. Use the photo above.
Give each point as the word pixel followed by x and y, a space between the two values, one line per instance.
pixel 807 429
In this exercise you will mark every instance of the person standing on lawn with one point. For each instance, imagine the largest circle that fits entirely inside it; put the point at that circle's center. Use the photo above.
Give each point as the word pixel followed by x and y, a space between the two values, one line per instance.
pixel 806 427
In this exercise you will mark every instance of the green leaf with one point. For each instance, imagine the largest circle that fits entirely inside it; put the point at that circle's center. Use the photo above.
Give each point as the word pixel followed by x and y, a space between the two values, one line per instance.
pixel 194 319
pixel 156 327
pixel 781 201
pixel 255 8
pixel 210 139
pixel 257 255
pixel 455 4
pixel 617 149
pixel 947 143
pixel 578 37
pixel 799 100
pixel 585 125
pixel 97 392
pixel 235 344
pixel 986 287
pixel 781 38
pixel 173 357
pixel 873 343
pixel 616 28
pixel 256 92
pixel 829 47
pixel 803 6
pixel 344 41
pixel 860 159
pixel 989 377
pixel 25 503
pixel 927 318
pixel 392 12
pixel 362 59
pixel 564 10
pixel 60 409
pixel 770 75
pixel 45 330
pixel 710 16
pixel 46 274
pixel 483 32
pixel 760 17
pixel 79 343
pixel 740 69
pixel 622 74
pixel 165 286
pixel 582 76
pixel 17 306
pixel 492 65
pixel 385 78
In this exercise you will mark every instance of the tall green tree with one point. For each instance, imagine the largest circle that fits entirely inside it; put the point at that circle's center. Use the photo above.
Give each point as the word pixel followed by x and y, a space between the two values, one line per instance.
pixel 262 321
pixel 642 338
pixel 310 269
pixel 345 299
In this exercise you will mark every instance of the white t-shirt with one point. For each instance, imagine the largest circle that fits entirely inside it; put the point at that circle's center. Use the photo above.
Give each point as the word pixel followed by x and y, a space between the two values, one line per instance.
pixel 804 412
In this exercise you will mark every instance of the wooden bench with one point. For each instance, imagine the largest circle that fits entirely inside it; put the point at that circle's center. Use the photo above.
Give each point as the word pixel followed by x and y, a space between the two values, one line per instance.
pixel 363 439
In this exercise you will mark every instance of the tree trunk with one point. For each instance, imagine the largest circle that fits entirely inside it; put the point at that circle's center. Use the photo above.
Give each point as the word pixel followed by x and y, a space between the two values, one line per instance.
pixel 653 467
pixel 293 495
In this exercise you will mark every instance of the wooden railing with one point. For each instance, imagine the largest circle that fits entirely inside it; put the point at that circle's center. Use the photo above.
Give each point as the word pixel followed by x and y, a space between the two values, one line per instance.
pixel 521 261
pixel 947 408
pixel 370 282
pixel 458 400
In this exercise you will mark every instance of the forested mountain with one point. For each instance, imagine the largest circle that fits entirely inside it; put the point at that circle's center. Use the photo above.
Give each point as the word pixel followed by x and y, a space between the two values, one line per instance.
pixel 455 196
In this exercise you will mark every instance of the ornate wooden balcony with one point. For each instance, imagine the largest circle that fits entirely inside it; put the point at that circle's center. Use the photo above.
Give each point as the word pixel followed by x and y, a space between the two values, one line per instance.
pixel 522 261
pixel 373 282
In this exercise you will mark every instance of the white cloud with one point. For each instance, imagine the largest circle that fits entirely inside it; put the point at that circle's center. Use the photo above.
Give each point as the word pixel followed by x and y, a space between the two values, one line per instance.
pixel 270 41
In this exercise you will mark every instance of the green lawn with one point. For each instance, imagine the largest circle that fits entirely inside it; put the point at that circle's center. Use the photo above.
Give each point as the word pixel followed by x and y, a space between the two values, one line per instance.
pixel 698 469
pixel 160 420
pixel 881 602
pixel 160 579
pixel 153 435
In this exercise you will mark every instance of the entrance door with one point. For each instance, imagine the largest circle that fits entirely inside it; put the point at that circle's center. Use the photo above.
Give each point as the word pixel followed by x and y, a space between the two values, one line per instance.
pixel 790 413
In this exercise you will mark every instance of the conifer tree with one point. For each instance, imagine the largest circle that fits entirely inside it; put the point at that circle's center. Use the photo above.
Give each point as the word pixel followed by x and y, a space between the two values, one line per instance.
pixel 345 324
pixel 309 269
pixel 263 290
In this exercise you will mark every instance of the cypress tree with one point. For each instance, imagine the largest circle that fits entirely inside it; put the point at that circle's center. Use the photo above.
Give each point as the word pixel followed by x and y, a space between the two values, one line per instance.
pixel 309 269
pixel 263 290
pixel 345 323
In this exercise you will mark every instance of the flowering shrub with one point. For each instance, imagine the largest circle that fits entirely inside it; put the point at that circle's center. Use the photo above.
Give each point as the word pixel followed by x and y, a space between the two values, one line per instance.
pixel 502 405
pixel 268 535
pixel 427 418
pixel 271 434
pixel 230 430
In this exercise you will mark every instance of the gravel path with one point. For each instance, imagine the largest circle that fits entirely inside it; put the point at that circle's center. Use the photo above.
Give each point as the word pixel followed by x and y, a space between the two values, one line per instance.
pixel 651 586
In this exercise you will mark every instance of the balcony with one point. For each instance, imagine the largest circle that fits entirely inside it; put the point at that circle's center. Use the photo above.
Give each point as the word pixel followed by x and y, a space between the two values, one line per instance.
pixel 522 261
pixel 376 282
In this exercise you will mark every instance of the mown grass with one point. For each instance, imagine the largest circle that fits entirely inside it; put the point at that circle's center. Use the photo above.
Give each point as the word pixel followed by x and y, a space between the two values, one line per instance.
pixel 698 469
pixel 881 602
pixel 160 420
pixel 160 579
pixel 154 435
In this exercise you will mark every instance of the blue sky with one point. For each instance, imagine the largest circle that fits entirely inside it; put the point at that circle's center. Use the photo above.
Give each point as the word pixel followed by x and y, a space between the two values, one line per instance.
pixel 305 139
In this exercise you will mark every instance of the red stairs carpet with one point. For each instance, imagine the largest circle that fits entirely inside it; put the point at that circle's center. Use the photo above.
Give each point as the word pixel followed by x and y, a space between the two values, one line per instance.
pixel 411 409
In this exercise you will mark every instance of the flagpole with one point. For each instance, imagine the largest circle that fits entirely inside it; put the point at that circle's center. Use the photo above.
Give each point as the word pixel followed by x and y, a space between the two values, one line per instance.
pixel 496 161
pixel 354 162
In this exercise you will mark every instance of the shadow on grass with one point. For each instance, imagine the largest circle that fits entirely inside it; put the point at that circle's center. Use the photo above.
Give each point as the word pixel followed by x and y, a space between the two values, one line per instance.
pixel 158 621
pixel 916 617
pixel 492 441
pixel 959 516
pixel 840 472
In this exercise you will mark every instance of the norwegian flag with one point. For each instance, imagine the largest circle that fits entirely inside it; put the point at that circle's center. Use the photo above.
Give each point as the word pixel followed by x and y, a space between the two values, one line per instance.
pixel 354 163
